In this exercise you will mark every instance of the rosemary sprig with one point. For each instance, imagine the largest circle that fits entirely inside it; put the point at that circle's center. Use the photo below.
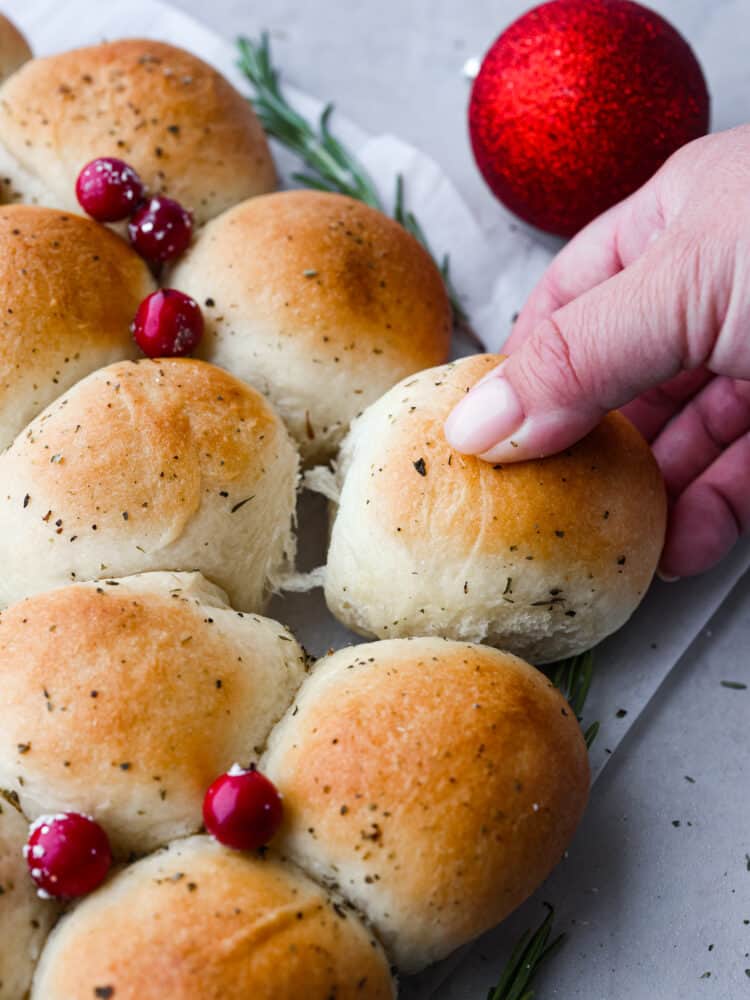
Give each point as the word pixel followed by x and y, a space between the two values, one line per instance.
pixel 410 222
pixel 330 166
pixel 524 962
pixel 573 677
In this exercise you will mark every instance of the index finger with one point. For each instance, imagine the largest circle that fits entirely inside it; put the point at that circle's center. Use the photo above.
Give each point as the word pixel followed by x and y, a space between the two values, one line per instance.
pixel 602 249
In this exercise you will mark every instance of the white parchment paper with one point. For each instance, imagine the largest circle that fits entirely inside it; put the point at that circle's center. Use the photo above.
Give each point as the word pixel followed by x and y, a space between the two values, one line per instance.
pixel 494 268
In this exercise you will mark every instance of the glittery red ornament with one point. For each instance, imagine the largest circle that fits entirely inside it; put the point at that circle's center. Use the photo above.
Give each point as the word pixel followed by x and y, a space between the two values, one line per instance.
pixel 577 104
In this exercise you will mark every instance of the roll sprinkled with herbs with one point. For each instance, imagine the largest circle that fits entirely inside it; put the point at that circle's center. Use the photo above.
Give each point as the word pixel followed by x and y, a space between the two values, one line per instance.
pixel 542 558
pixel 123 700
pixel 179 123
pixel 318 301
pixel 155 465
pixel 70 290
pixel 448 779
pixel 198 920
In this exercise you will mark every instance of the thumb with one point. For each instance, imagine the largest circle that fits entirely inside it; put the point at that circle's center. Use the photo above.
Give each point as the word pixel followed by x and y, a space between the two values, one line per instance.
pixel 628 334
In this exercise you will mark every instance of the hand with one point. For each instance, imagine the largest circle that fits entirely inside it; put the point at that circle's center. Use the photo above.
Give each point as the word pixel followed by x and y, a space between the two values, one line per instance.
pixel 646 309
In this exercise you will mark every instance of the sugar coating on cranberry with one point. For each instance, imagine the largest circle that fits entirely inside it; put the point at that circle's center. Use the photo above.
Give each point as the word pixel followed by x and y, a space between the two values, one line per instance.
pixel 168 324
pixel 242 809
pixel 108 189
pixel 160 229
pixel 68 855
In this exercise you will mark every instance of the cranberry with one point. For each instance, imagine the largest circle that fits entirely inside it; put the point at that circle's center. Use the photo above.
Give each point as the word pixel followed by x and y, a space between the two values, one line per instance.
pixel 242 809
pixel 68 855
pixel 160 229
pixel 108 189
pixel 168 324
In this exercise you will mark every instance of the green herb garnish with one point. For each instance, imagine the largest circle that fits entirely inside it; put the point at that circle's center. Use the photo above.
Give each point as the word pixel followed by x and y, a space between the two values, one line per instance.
pixel 524 962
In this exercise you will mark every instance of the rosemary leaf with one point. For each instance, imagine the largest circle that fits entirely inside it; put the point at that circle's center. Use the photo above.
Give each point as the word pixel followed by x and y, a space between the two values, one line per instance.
pixel 330 166
pixel 525 959
pixel 573 677
pixel 590 735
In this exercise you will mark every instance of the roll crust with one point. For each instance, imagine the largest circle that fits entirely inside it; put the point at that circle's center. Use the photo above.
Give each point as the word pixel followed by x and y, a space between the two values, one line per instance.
pixel 320 302
pixel 172 465
pixel 543 558
pixel 25 920
pixel 198 920
pixel 70 291
pixel 448 779
pixel 14 49
pixel 125 700
pixel 184 128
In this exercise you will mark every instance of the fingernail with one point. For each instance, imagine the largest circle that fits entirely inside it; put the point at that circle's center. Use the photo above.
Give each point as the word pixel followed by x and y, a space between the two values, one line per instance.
pixel 490 413
pixel 666 578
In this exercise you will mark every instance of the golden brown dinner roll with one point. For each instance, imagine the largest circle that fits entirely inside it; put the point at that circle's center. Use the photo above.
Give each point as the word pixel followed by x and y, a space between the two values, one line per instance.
pixel 170 464
pixel 125 699
pixel 25 920
pixel 436 783
pixel 201 921
pixel 14 50
pixel 320 302
pixel 184 128
pixel 70 290
pixel 541 558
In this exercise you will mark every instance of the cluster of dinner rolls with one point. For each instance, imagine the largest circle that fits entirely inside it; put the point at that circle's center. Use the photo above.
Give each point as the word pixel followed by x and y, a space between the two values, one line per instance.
pixel 147 512
pixel 125 699
pixel 70 291
pixel 153 465
pixel 320 302
pixel 171 116
pixel 200 921
pixel 542 558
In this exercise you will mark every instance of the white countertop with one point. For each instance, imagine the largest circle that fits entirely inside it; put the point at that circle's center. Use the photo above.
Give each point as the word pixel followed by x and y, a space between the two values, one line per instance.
pixel 656 891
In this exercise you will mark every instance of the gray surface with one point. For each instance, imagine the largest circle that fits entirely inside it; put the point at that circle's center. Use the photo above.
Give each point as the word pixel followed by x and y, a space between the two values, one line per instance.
pixel 643 899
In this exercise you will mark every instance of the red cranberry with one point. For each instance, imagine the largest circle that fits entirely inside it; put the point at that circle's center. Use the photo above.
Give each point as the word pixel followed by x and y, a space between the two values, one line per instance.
pixel 68 855
pixel 168 324
pixel 242 809
pixel 108 189
pixel 160 229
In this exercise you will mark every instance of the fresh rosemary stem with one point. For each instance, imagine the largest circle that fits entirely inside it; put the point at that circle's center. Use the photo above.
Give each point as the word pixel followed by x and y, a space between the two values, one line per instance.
pixel 525 959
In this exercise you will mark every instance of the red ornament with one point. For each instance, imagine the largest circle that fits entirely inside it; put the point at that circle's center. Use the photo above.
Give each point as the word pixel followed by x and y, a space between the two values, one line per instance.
pixel 68 855
pixel 161 229
pixel 577 104
pixel 168 324
pixel 242 809
pixel 108 189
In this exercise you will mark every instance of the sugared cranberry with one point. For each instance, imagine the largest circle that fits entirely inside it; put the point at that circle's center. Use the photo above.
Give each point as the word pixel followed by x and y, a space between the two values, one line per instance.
pixel 68 855
pixel 108 189
pixel 168 324
pixel 242 809
pixel 160 229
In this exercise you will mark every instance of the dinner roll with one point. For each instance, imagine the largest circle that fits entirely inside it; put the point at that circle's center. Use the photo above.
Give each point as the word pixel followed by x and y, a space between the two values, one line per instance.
pixel 14 51
pixel 125 699
pixel 201 921
pixel 170 464
pixel 436 783
pixel 70 291
pixel 320 302
pixel 542 558
pixel 184 128
pixel 25 920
